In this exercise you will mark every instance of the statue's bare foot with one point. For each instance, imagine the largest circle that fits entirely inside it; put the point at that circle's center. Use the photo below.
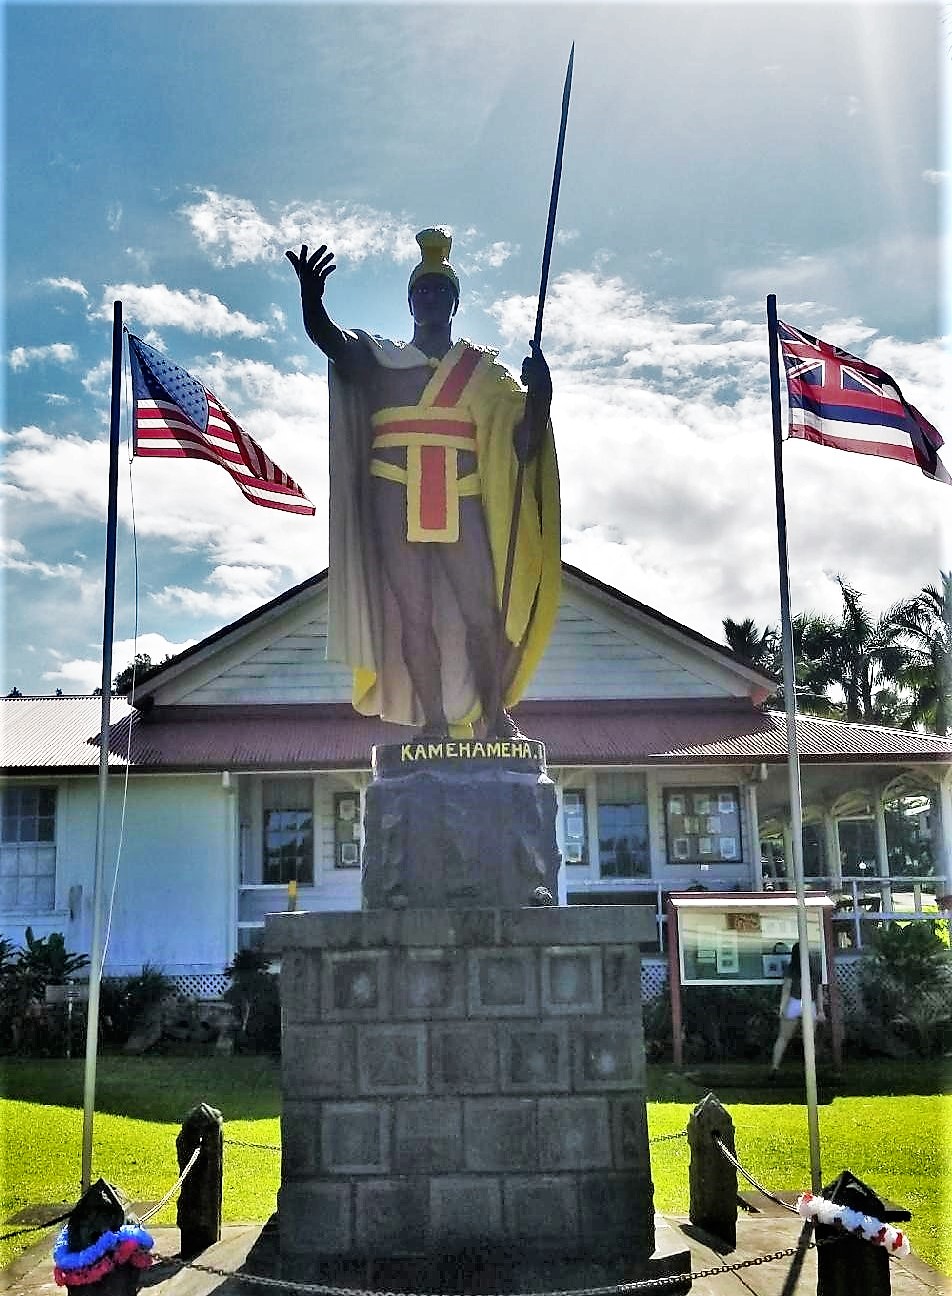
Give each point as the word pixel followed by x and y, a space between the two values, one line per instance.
pixel 435 730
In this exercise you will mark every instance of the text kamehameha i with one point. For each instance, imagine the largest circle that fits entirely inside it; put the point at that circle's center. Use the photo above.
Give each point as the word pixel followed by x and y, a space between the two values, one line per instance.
pixel 462 749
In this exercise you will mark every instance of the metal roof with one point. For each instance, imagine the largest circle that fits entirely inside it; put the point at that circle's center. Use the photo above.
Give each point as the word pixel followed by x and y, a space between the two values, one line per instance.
pixel 48 734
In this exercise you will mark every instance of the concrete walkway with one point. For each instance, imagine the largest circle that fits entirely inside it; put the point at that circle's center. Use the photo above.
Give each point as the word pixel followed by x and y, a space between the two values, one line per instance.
pixel 770 1230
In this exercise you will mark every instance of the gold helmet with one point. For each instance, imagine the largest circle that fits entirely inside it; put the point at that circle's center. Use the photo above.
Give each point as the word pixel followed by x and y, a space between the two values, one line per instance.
pixel 435 247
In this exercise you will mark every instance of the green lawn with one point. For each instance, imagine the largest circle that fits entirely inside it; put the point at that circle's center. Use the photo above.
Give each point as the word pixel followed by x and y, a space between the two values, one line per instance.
pixel 888 1123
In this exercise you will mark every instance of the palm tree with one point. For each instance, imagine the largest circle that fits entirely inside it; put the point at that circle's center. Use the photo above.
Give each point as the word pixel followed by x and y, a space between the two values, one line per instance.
pixel 926 620
pixel 759 647
pixel 862 654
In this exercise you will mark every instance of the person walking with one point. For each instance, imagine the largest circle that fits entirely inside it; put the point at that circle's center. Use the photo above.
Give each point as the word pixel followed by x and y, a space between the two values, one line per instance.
pixel 791 1005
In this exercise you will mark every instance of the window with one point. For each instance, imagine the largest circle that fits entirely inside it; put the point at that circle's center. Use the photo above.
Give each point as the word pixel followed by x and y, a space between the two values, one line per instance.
pixel 623 839
pixel 28 850
pixel 346 830
pixel 703 825
pixel 574 826
pixel 287 853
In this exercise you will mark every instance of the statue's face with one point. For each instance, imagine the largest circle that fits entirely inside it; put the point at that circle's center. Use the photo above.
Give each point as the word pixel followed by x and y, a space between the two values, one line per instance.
pixel 433 300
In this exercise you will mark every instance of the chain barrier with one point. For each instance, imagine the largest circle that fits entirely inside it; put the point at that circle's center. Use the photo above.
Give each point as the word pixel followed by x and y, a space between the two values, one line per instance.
pixel 617 1289
pixel 175 1187
pixel 667 1138
pixel 265 1147
pixel 729 1156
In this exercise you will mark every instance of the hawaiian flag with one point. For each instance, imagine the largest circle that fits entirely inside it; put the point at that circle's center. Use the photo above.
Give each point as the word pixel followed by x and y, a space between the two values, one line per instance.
pixel 838 400
pixel 176 417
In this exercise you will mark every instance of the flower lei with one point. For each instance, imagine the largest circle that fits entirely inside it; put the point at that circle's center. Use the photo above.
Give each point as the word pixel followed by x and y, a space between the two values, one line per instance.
pixel 814 1207
pixel 127 1245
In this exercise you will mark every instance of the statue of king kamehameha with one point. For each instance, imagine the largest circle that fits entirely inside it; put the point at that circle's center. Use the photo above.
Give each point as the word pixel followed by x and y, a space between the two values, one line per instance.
pixel 427 440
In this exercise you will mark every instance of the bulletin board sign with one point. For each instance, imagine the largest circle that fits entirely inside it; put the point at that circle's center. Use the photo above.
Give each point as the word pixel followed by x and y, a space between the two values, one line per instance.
pixel 725 939
pixel 745 938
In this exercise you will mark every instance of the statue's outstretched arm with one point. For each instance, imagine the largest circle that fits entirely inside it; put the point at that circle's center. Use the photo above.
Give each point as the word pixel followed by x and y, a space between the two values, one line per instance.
pixel 312 271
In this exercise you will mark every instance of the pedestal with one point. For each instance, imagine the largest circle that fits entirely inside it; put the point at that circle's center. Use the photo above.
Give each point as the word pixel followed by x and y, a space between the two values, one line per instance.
pixel 465 1085
pixel 459 823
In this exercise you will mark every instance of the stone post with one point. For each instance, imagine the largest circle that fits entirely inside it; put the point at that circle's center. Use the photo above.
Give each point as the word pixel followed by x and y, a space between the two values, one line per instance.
pixel 198 1214
pixel 713 1180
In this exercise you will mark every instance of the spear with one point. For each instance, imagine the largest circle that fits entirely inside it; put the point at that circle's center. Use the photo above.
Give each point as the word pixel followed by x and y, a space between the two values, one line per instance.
pixel 536 341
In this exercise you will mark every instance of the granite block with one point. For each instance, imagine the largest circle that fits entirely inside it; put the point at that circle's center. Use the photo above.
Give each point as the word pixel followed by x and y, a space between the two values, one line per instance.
pixel 571 981
pixel 608 1055
pixel 465 1211
pixel 300 1139
pixel 463 1058
pixel 391 1217
pixel 301 986
pixel 315 1218
pixel 430 983
pixel 541 1212
pixel 355 1138
pixel 355 986
pixel 629 1122
pixel 502 983
pixel 428 1136
pixel 534 1058
pixel 577 925
pixel 617 1213
pixel 391 1059
pixel 574 1134
pixel 318 1061
pixel 499 1134
pixel 621 982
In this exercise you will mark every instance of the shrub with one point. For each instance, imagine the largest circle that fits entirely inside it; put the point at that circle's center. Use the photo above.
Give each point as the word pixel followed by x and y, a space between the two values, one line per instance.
pixel 254 994
pixel 906 980
pixel 720 1023
pixel 126 1002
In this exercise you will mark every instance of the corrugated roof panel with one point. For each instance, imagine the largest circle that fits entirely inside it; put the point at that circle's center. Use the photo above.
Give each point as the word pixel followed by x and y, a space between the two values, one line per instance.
pixel 63 733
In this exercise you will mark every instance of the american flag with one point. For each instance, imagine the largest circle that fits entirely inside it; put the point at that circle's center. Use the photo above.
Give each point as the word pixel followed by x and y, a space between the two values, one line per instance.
pixel 176 417
pixel 838 400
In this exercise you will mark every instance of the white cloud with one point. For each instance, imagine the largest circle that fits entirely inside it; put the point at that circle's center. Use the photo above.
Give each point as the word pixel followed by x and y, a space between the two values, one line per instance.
pixel 232 230
pixel 192 311
pixel 490 257
pixel 83 675
pixel 56 398
pixel 230 592
pixel 66 285
pixel 14 556
pixel 58 352
pixel 114 215
pixel 936 177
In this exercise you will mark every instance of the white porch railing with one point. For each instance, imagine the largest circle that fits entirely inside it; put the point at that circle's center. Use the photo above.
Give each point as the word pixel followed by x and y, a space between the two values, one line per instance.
pixel 859 901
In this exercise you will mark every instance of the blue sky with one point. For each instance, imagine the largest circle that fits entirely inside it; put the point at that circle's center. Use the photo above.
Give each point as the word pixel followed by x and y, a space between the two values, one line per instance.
pixel 168 154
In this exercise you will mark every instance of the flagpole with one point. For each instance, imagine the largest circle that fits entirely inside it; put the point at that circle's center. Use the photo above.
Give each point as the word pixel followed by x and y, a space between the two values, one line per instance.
pixel 109 599
pixel 793 755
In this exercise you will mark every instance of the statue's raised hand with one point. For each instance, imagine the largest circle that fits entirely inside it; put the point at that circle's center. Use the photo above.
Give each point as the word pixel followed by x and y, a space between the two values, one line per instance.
pixel 312 270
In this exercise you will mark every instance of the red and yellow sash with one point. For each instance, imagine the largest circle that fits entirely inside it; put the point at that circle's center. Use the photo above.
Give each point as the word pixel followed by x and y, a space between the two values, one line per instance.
pixel 432 432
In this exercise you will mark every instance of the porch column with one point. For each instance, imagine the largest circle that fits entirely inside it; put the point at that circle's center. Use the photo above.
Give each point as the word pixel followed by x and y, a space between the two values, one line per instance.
pixel 753 821
pixel 882 851
pixel 943 853
pixel 831 841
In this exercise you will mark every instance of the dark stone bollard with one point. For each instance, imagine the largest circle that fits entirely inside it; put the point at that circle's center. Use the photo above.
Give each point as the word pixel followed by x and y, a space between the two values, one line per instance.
pixel 459 823
pixel 198 1214
pixel 712 1178
pixel 847 1265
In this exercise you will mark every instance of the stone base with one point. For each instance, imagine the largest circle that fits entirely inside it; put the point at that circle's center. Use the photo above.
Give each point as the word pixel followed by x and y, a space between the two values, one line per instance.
pixel 459 824
pixel 467 1084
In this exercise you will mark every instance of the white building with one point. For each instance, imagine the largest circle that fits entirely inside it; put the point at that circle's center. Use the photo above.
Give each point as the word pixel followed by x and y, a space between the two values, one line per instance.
pixel 240 765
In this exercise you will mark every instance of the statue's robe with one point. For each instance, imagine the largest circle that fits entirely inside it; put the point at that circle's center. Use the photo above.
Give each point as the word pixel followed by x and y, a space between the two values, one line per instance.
pixel 365 628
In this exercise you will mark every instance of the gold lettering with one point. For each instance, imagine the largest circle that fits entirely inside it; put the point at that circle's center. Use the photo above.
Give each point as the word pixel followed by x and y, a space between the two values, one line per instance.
pixel 462 750
pixel 506 749
pixel 479 749
pixel 420 752
pixel 405 752
pixel 452 750
pixel 435 751
pixel 494 749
